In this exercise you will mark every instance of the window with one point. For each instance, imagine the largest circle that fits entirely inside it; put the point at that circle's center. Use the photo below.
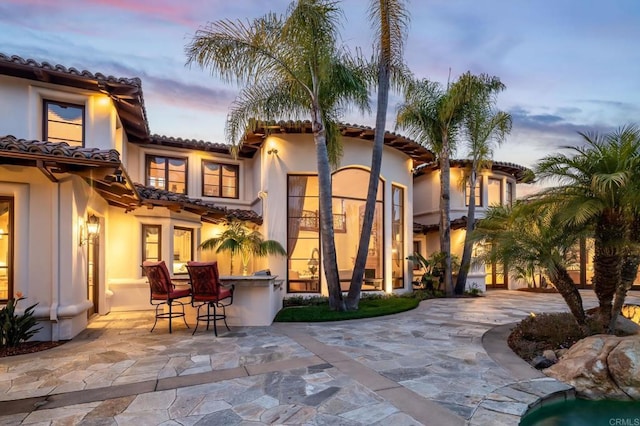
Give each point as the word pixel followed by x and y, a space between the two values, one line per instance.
pixel 477 193
pixel 494 192
pixel 63 122
pixel 219 180
pixel 303 236
pixel 509 200
pixel 6 248
pixel 151 243
pixel 167 173
pixel 397 233
pixel 182 249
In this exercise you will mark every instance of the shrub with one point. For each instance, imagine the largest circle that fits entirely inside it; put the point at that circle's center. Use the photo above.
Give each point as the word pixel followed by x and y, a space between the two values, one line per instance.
pixel 537 333
pixel 14 328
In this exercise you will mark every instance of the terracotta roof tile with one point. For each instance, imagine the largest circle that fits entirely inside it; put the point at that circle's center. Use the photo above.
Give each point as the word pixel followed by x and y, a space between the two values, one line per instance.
pixel 199 145
pixel 520 173
pixel 57 149
pixel 207 209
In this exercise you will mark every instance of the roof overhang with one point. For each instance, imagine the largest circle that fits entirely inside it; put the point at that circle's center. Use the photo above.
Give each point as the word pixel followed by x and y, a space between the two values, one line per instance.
pixel 254 139
pixel 520 173
pixel 101 169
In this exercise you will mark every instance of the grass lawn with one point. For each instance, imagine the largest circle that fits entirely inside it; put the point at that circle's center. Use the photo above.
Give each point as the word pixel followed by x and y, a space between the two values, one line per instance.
pixel 367 308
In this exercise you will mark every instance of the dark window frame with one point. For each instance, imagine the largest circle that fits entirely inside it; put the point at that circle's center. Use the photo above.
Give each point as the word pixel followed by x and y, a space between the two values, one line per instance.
pixel 501 200
pixel 509 194
pixel 147 161
pixel 401 225
pixel 192 252
pixel 45 119
pixel 144 242
pixel 478 191
pixel 220 186
pixel 11 246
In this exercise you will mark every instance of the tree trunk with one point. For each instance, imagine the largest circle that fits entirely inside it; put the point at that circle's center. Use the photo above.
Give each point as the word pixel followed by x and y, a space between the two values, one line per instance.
pixel 329 261
pixel 445 223
pixel 607 262
pixel 630 263
pixel 465 263
pixel 569 292
pixel 355 287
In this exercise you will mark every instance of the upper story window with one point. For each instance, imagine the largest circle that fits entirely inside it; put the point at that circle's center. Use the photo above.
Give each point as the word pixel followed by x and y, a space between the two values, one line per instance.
pixel 220 180
pixel 477 192
pixel 167 173
pixel 509 194
pixel 63 122
pixel 494 192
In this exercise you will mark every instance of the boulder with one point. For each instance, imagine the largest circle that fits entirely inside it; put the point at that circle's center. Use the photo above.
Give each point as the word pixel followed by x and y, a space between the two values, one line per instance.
pixel 540 362
pixel 602 367
pixel 550 355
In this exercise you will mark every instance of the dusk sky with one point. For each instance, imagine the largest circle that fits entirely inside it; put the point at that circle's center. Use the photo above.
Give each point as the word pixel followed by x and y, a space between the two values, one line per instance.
pixel 569 65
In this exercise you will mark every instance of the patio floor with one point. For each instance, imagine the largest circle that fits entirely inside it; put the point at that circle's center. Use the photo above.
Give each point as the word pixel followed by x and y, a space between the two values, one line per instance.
pixel 426 366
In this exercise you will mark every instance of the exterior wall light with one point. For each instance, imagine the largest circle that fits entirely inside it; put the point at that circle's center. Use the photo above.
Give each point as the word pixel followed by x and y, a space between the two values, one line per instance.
pixel 90 230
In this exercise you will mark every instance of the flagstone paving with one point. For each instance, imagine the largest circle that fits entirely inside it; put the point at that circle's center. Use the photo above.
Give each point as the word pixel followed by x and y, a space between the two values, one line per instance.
pixel 426 366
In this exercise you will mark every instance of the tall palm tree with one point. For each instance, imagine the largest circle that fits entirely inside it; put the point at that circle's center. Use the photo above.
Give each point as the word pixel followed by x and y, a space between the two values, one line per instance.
pixel 532 236
pixel 389 19
pixel 289 66
pixel 432 115
pixel 598 188
pixel 484 128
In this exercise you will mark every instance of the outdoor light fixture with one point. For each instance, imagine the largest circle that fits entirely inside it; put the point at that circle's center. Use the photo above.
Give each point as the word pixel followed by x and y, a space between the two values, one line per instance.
pixel 91 228
pixel 272 149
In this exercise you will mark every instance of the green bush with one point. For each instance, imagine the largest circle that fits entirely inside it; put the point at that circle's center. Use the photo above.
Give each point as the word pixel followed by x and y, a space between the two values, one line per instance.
pixel 14 328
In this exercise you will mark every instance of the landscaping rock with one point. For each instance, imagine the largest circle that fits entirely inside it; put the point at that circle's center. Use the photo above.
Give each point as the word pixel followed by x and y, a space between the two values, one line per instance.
pixel 560 352
pixel 550 355
pixel 540 362
pixel 602 367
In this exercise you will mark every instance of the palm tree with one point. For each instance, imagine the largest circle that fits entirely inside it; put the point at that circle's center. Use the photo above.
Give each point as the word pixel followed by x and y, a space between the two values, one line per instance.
pixel 289 66
pixel 484 128
pixel 598 189
pixel 390 19
pixel 530 237
pixel 432 115
pixel 238 239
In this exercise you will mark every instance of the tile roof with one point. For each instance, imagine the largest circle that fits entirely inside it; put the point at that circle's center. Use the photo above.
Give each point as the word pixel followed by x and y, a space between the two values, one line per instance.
pixel 199 145
pixel 125 92
pixel 520 173
pixel 253 140
pixel 459 223
pixel 11 144
pixel 209 211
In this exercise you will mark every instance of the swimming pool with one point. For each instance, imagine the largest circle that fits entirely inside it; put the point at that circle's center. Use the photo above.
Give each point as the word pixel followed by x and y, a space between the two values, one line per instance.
pixel 581 412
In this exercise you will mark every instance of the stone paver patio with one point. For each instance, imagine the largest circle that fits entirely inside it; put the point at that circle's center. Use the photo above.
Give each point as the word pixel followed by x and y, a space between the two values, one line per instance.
pixel 433 365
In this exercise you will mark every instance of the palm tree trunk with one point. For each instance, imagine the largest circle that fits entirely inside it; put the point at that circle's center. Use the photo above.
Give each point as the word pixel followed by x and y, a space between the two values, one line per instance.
pixel 465 263
pixel 353 297
pixel 329 261
pixel 445 202
pixel 569 292
pixel 630 263
pixel 607 262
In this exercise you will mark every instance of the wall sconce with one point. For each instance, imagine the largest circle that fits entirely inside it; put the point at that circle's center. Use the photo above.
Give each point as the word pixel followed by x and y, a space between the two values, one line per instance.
pixel 1 233
pixel 90 230
pixel 272 149
pixel 313 262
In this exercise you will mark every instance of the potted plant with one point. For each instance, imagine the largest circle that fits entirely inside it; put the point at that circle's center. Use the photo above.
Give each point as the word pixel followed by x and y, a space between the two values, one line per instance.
pixel 238 239
pixel 433 268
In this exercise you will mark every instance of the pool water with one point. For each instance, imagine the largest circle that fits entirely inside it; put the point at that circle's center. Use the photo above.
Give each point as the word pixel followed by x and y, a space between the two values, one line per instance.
pixel 581 412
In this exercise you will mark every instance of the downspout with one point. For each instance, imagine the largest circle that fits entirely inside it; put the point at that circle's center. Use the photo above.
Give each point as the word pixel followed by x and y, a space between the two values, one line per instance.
pixel 55 263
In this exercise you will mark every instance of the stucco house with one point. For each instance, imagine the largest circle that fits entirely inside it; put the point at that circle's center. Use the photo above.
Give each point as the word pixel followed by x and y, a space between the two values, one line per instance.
pixel 87 193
